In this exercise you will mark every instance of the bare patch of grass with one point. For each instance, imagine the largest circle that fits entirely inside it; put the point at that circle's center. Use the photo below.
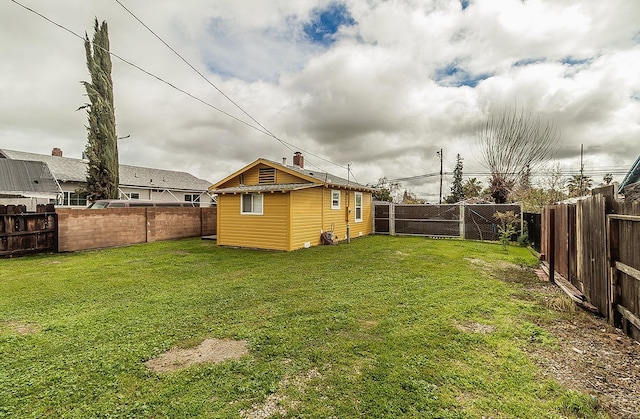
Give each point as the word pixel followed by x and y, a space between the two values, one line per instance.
pixel 210 350
pixel 20 327
pixel 279 403
pixel 474 327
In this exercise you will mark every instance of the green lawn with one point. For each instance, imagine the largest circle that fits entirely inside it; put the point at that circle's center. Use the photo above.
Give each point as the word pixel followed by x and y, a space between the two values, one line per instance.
pixel 383 327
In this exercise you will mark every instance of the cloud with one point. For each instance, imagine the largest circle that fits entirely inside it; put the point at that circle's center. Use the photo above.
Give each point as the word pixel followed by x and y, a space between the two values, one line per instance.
pixel 381 85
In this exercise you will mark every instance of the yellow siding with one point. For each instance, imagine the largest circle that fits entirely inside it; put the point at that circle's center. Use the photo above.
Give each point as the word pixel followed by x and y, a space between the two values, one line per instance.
pixel 266 231
pixel 284 177
pixel 335 217
pixel 338 217
pixel 251 177
pixel 306 217
pixel 311 213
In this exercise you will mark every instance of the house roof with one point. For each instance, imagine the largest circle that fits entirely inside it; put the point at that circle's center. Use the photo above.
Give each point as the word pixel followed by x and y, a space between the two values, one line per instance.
pixel 66 169
pixel 28 179
pixel 313 176
pixel 632 177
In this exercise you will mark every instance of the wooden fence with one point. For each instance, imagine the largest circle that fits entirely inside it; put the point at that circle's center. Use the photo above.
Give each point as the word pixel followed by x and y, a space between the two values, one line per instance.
pixel 467 221
pixel 23 233
pixel 593 244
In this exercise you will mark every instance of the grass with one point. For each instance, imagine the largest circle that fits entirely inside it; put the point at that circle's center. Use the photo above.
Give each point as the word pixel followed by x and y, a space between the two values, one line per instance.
pixel 383 327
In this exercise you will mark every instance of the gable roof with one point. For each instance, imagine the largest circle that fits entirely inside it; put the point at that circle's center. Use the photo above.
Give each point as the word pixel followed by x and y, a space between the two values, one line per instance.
pixel 632 177
pixel 66 169
pixel 27 179
pixel 314 178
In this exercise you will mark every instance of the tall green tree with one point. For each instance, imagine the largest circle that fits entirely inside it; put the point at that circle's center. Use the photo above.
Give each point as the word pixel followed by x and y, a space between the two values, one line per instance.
pixel 579 185
pixel 102 142
pixel 457 192
pixel 472 188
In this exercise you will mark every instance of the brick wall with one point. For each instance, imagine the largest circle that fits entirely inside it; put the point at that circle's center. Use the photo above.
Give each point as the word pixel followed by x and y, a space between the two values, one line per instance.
pixel 80 229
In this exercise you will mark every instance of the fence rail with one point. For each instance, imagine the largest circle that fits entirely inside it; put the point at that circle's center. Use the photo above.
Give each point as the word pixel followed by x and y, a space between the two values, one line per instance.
pixel 474 222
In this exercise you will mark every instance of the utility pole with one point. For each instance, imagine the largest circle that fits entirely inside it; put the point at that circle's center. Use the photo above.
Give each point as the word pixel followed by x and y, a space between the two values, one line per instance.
pixel 439 153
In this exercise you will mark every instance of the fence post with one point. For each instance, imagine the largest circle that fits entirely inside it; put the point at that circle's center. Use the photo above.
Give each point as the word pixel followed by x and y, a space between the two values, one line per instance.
pixel 613 247
pixel 392 219
pixel 462 227
pixel 552 244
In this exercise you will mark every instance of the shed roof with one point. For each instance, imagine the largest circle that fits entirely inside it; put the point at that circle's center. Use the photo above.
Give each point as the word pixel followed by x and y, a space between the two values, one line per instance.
pixel 29 179
pixel 66 169
pixel 315 177
pixel 266 188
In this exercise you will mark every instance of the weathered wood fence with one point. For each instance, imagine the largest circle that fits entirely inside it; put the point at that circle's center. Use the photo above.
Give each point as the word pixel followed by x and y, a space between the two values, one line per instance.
pixel 22 233
pixel 593 244
pixel 467 221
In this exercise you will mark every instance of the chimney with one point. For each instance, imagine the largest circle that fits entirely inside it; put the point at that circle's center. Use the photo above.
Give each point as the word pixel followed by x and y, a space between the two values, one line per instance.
pixel 56 152
pixel 298 159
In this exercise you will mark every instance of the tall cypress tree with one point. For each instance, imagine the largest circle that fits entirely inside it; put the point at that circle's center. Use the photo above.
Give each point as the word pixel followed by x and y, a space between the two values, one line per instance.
pixel 102 142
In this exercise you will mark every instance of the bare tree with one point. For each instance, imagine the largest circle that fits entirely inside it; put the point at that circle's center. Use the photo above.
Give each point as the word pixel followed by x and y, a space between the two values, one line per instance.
pixel 512 143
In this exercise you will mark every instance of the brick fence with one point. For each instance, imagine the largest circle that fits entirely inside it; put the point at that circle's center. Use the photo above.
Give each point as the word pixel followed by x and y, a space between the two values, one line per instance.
pixel 81 229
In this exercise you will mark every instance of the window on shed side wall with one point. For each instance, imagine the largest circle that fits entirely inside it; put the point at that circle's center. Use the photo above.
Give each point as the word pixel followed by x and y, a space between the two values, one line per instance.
pixel 251 204
pixel 335 199
pixel 358 197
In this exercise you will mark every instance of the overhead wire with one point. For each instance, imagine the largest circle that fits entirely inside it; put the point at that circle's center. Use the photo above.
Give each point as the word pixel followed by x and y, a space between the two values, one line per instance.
pixel 142 69
pixel 259 128
pixel 290 146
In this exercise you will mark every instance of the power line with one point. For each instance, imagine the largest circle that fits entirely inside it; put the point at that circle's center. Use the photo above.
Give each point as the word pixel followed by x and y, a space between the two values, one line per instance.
pixel 258 129
pixel 141 69
pixel 264 130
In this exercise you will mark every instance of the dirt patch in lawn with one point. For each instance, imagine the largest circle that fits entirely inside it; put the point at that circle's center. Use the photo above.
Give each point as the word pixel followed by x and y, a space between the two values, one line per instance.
pixel 590 355
pixel 20 327
pixel 474 327
pixel 210 350
pixel 279 403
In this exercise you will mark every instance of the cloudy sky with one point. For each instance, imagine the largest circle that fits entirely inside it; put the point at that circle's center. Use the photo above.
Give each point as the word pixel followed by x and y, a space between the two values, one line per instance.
pixel 381 85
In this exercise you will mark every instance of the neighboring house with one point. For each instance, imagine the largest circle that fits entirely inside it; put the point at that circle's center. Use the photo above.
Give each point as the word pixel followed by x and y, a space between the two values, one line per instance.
pixel 630 186
pixel 22 182
pixel 268 205
pixel 135 182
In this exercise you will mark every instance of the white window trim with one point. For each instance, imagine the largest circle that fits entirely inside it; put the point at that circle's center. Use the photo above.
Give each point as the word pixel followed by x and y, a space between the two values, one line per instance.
pixel 355 206
pixel 336 207
pixel 253 196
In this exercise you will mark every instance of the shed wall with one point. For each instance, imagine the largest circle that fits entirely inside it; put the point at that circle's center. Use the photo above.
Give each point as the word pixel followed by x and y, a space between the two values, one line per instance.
pixel 267 231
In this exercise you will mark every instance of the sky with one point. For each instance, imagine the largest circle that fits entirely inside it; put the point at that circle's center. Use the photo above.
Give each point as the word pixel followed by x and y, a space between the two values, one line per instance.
pixel 377 86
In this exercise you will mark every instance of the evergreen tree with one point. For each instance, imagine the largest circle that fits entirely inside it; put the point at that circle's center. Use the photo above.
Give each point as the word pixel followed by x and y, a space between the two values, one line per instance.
pixel 579 185
pixel 457 192
pixel 102 146
pixel 472 188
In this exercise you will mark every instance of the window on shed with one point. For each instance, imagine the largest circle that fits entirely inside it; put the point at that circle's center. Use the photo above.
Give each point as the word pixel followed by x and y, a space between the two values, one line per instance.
pixel 267 175
pixel 358 196
pixel 335 199
pixel 251 204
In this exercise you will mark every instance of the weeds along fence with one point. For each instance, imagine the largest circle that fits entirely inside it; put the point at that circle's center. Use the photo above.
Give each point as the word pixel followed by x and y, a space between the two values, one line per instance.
pixel 593 244
pixel 466 221
pixel 23 233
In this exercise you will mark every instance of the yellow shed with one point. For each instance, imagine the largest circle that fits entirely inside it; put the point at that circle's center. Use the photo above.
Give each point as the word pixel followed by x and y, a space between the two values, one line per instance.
pixel 268 205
